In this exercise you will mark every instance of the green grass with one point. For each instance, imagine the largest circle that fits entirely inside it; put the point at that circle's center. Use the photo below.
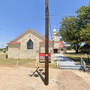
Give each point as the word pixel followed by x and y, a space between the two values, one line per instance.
pixel 77 57
pixel 22 62
pixel 4 61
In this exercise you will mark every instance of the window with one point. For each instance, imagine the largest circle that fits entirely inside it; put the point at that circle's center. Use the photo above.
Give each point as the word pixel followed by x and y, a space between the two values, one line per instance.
pixel 30 44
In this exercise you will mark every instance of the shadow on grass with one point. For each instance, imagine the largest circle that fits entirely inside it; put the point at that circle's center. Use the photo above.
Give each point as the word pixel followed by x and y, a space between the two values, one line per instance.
pixel 73 53
pixel 77 57
pixel 78 60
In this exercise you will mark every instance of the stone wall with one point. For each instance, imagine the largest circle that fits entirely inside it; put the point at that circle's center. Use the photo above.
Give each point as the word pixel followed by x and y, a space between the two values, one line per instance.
pixel 23 52
pixel 13 53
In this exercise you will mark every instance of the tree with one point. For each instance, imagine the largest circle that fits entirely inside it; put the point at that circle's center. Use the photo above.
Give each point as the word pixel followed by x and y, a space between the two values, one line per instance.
pixel 70 33
pixel 85 34
pixel 76 30
pixel 83 16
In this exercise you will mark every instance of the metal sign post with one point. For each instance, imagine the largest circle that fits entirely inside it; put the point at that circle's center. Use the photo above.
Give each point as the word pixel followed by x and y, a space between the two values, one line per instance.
pixel 46 43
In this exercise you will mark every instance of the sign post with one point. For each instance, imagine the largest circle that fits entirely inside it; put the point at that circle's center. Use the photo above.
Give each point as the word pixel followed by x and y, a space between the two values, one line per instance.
pixel 46 43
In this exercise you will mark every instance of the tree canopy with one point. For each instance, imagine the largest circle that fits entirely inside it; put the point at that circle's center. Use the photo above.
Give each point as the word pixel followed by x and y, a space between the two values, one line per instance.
pixel 85 34
pixel 76 30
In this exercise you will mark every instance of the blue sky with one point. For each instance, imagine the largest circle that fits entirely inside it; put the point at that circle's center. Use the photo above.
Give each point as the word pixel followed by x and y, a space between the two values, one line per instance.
pixel 16 16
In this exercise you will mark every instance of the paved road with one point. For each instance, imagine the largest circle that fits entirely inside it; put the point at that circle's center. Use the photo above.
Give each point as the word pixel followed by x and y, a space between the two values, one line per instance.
pixel 66 63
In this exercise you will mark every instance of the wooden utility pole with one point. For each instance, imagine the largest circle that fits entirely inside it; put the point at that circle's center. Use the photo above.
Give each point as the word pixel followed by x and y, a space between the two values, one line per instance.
pixel 46 43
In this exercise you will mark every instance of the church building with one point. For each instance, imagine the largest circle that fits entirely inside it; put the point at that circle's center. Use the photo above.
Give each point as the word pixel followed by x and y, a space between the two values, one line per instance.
pixel 31 43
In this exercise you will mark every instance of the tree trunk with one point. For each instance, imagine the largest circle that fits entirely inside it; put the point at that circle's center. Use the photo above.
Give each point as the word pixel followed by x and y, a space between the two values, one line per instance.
pixel 77 51
pixel 77 48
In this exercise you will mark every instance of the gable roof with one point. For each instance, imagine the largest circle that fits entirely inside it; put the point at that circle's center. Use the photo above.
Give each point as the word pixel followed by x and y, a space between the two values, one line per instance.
pixel 29 31
pixel 14 42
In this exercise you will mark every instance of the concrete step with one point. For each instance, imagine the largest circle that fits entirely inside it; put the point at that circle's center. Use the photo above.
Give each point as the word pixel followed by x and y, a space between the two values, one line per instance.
pixel 67 63
pixel 77 67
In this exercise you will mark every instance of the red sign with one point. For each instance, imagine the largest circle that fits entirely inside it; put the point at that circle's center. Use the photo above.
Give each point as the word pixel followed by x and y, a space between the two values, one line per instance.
pixel 42 57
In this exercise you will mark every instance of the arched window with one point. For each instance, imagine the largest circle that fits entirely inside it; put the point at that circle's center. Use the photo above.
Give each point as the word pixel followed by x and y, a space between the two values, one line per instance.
pixel 30 44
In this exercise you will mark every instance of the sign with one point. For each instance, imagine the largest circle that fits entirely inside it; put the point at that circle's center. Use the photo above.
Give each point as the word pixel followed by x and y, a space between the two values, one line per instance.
pixel 42 57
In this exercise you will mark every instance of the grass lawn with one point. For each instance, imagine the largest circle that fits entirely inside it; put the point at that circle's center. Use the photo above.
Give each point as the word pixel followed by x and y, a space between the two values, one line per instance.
pixel 22 62
pixel 77 57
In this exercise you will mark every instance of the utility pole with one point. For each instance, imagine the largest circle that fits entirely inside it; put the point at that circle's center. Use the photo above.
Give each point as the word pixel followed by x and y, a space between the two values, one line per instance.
pixel 46 43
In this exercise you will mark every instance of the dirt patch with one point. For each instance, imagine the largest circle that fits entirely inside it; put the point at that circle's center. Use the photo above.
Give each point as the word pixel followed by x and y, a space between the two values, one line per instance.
pixel 19 78
pixel 84 75
pixel 72 81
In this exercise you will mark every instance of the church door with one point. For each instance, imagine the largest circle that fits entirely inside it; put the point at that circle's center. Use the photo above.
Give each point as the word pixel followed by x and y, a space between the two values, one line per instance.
pixel 55 50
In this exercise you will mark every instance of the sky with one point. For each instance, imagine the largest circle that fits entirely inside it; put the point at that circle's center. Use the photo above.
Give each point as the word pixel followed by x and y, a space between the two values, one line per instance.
pixel 16 16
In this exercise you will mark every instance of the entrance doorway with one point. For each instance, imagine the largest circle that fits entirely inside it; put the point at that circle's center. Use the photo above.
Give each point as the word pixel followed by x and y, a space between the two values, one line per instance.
pixel 55 50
